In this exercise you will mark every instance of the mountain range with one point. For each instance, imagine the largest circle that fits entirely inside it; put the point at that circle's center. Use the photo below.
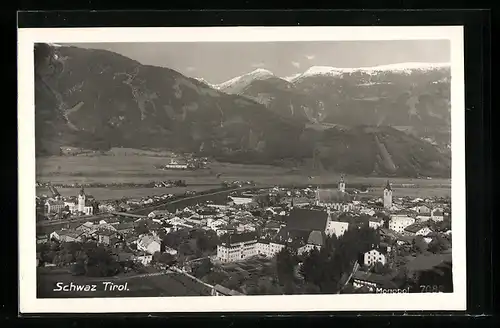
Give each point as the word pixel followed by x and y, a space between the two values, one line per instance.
pixel 381 121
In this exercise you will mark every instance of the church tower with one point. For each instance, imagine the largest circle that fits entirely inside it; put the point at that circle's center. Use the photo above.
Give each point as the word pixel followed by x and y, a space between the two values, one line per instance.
pixel 388 196
pixel 342 184
pixel 317 196
pixel 81 200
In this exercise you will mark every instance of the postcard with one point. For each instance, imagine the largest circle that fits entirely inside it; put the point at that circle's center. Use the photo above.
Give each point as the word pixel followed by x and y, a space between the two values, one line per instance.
pixel 295 168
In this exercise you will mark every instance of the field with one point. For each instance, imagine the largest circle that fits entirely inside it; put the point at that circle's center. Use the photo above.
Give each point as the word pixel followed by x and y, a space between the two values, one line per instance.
pixel 153 285
pixel 134 168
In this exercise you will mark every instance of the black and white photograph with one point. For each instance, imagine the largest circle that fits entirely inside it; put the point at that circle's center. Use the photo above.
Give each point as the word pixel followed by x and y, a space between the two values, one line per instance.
pixel 304 169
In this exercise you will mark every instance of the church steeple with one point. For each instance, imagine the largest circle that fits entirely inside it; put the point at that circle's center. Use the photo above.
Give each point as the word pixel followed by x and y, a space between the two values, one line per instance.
pixel 342 184
pixel 388 196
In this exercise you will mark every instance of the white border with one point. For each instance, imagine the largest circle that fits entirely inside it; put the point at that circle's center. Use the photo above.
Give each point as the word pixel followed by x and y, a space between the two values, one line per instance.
pixel 372 302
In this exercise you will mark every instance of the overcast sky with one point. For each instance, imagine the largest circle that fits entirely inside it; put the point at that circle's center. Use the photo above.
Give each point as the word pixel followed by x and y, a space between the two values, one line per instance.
pixel 217 62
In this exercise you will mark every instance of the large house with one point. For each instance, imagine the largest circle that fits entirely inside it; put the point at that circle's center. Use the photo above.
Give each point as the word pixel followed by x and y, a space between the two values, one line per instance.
pixel 241 200
pixel 125 227
pixel 422 209
pixel 268 248
pixel 372 281
pixel 67 236
pixel 422 217
pixel 87 227
pixel 54 206
pixel 176 165
pixel 398 223
pixel 149 244
pixel 374 256
pixel 305 220
pixel 417 229
pixel 105 236
pixel 437 214
pixel 237 247
pixel 376 222
pixel 337 228
pixel 315 240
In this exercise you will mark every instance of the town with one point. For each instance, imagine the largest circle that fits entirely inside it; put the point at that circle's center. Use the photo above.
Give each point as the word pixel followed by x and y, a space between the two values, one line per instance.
pixel 256 241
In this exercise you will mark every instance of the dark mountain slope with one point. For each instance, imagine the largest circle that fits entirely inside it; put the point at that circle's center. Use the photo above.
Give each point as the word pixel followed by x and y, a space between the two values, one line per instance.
pixel 98 99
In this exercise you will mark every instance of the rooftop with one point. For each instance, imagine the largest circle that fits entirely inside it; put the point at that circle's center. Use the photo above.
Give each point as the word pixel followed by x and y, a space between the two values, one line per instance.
pixel 306 220
pixel 238 238
pixel 124 226
pixel 415 227
pixel 105 232
pixel 378 279
pixel 316 238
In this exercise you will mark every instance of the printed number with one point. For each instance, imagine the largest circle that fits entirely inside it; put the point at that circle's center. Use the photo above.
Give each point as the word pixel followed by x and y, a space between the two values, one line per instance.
pixel 430 289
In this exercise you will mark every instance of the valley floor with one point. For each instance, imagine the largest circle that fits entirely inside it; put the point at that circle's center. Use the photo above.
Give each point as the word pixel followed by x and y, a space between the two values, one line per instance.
pixel 142 169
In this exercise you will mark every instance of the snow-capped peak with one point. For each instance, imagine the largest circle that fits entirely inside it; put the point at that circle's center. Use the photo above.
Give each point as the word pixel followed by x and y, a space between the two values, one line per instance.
pixel 202 80
pixel 237 84
pixel 404 67
pixel 55 45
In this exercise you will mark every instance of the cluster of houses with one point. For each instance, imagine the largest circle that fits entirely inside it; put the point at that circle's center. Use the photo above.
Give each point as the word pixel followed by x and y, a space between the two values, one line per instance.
pixel 302 220
pixel 305 226
pixel 116 234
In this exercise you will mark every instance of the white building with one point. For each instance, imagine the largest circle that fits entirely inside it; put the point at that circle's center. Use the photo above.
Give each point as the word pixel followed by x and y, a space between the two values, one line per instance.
pixel 269 249
pixel 314 241
pixel 398 223
pixel 437 215
pixel 417 229
pixel 422 209
pixel 241 200
pixel 422 217
pixel 237 247
pixel 336 228
pixel 173 164
pixel 54 206
pixel 149 244
pixel 376 223
pixel 144 259
pixel 374 256
pixel 215 224
pixel 245 227
pixel 342 185
pixel 342 207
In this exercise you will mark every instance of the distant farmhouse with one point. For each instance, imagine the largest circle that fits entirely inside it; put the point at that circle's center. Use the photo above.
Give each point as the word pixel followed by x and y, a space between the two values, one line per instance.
pixel 176 165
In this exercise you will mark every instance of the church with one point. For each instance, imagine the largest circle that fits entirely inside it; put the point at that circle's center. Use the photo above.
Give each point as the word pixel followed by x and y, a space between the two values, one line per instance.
pixel 337 200
pixel 83 206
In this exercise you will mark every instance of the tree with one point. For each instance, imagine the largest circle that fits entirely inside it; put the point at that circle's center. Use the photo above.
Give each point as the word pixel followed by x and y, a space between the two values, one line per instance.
pixel 203 268
pixel 78 268
pixel 156 257
pixel 380 268
pixel 166 259
pixel 100 263
pixel 438 244
pixel 286 260
pixel 419 245
pixel 185 249
pixel 215 278
pixel 141 228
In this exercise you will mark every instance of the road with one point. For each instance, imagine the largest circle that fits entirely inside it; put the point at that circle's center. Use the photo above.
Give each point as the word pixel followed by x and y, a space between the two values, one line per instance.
pixel 84 219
